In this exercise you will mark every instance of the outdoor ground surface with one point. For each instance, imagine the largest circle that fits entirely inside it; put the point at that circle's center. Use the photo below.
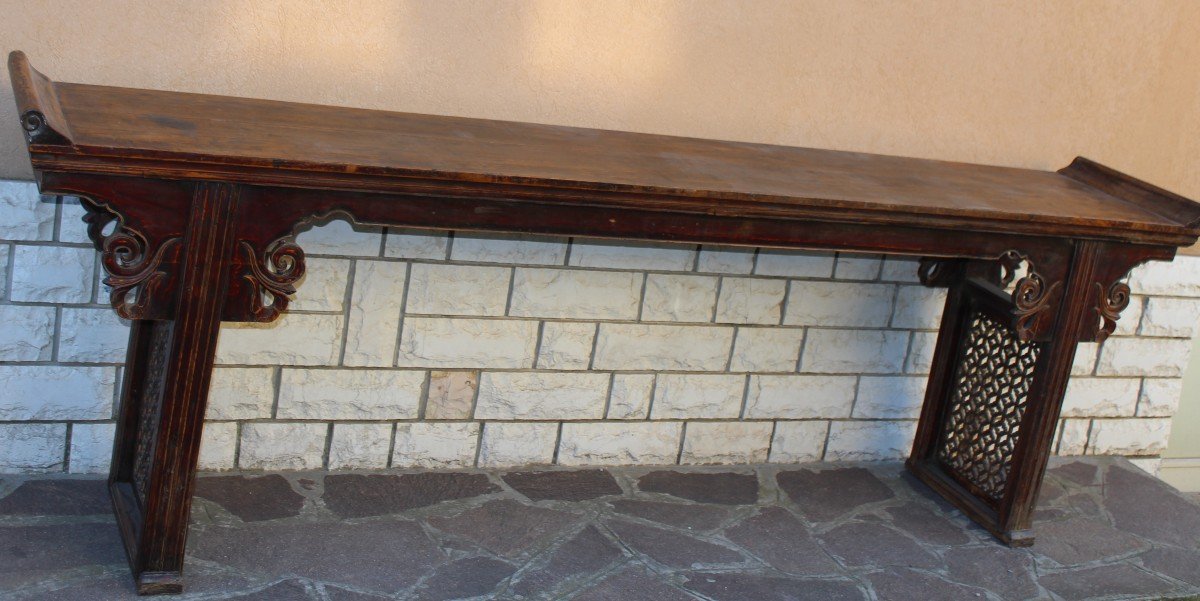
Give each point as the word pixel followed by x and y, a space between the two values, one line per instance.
pixel 1105 530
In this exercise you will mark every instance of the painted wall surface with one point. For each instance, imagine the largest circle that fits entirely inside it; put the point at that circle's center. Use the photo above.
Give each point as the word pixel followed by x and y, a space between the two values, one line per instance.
pixel 1028 84
pixel 1181 461
pixel 1023 83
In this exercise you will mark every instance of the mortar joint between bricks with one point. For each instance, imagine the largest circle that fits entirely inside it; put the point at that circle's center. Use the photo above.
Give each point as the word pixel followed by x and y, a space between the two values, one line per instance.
pixel 347 300
pixel 400 324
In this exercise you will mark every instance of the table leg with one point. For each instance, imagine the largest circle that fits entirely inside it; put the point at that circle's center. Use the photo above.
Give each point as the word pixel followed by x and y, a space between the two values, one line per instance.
pixel 163 398
pixel 995 393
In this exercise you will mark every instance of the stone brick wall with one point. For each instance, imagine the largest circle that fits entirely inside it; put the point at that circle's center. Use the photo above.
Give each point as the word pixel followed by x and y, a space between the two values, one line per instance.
pixel 408 349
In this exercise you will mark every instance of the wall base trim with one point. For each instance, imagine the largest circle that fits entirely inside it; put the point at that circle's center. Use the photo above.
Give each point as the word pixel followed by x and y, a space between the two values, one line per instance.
pixel 1181 472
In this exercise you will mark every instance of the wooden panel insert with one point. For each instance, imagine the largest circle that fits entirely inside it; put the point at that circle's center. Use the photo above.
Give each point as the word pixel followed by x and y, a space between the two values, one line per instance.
pixel 987 403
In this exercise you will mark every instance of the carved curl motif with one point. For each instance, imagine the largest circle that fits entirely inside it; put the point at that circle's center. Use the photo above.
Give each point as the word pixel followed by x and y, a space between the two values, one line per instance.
pixel 38 130
pixel 134 271
pixel 1109 307
pixel 1031 296
pixel 272 276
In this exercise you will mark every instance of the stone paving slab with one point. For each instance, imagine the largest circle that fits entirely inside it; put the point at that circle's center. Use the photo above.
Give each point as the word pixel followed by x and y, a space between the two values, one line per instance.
pixel 1106 532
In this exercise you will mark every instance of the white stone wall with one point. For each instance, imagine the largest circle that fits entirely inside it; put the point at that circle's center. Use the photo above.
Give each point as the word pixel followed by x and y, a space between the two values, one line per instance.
pixel 441 350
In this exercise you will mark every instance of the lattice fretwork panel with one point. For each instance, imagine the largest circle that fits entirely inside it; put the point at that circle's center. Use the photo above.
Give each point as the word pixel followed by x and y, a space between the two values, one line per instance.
pixel 150 409
pixel 987 401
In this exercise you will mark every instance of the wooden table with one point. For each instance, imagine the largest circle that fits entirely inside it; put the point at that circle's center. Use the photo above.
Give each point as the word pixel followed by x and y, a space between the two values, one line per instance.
pixel 194 201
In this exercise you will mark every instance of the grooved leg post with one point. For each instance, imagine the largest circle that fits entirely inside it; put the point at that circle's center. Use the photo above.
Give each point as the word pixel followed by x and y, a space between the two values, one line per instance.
pixel 1049 386
pixel 163 399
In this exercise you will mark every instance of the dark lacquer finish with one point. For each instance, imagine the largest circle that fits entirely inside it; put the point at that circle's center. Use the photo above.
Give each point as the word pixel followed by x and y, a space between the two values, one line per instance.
pixel 193 202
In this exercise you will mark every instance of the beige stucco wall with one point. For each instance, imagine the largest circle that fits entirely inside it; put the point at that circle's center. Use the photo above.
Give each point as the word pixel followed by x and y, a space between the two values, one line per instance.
pixel 1016 83
pixel 1181 462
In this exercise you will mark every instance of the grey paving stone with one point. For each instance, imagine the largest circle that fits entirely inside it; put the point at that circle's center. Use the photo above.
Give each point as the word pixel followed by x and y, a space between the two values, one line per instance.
pixel 29 553
pixel 751 587
pixel 364 495
pixel 340 594
pixel 1084 505
pixel 860 544
pixel 252 499
pixel 1081 540
pixel 58 497
pixel 506 527
pixel 1148 507
pixel 574 485
pixel 926 525
pixel 1005 571
pixel 110 587
pixel 902 584
pixel 106 587
pixel 1105 581
pixel 1050 492
pixel 925 494
pixel 783 542
pixel 301 556
pixel 673 549
pixel 1049 514
pixel 691 517
pixel 465 578
pixel 288 590
pixel 1083 474
pixel 725 488
pixel 114 583
pixel 1180 564
pixel 828 494
pixel 384 556
pixel 585 553
pixel 633 583
pixel 1078 504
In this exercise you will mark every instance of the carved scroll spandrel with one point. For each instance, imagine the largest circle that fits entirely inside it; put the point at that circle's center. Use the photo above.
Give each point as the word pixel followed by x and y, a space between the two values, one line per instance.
pixel 1109 305
pixel 1032 310
pixel 1032 294
pixel 271 276
pixel 139 271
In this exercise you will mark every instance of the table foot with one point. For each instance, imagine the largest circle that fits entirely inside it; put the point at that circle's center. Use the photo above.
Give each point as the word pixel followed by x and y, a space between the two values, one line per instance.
pixel 159 583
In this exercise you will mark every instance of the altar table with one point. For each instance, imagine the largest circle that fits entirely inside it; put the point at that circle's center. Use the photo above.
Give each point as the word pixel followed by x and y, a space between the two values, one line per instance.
pixel 194 201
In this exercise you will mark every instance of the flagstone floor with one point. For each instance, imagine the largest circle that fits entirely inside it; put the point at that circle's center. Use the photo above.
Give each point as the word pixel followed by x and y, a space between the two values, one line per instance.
pixel 1105 530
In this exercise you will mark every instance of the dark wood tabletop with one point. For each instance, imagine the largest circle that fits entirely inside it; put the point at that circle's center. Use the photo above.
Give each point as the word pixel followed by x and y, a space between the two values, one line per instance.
pixel 270 141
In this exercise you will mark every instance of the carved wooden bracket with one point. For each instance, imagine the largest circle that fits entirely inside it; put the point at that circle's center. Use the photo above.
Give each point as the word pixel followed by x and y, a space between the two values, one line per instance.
pixel 1109 306
pixel 139 271
pixel 138 227
pixel 1110 295
pixel 270 276
pixel 1031 296
pixel 1036 293
pixel 142 275
pixel 1032 306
